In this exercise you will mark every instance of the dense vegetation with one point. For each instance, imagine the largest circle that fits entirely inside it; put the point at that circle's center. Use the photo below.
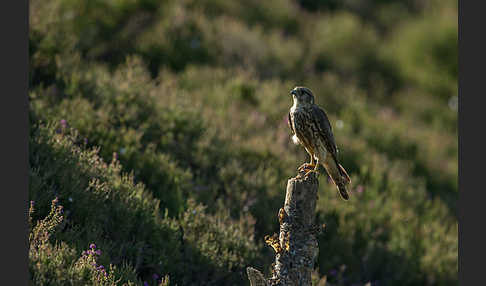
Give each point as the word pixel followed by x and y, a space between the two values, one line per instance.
pixel 159 148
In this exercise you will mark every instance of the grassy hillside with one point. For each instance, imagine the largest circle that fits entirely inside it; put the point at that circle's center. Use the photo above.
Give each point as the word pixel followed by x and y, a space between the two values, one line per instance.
pixel 158 134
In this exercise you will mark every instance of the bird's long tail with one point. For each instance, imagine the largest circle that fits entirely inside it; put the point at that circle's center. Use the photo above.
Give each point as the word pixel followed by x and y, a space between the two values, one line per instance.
pixel 342 181
pixel 342 191
pixel 343 173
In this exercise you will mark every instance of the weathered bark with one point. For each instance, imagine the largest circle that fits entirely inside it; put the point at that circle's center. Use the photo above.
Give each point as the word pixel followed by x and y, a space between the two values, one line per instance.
pixel 296 246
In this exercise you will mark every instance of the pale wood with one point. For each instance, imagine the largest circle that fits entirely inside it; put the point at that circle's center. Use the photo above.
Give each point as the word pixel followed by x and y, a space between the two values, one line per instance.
pixel 295 257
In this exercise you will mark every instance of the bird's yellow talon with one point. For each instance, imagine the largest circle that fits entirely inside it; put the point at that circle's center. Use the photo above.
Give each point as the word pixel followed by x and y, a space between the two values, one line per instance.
pixel 306 166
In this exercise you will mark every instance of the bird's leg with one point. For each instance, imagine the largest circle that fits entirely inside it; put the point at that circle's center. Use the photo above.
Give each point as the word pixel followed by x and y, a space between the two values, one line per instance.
pixel 307 166
pixel 315 169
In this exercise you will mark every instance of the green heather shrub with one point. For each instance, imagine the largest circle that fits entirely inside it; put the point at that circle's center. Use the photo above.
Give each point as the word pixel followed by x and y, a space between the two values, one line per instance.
pixel 427 51
pixel 270 14
pixel 344 45
pixel 104 206
pixel 145 148
pixel 334 37
pixel 403 233
pixel 161 128
pixel 384 14
pixel 53 263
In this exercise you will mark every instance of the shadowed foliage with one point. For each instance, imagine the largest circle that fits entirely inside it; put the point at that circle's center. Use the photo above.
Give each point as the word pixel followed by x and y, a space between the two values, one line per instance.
pixel 160 127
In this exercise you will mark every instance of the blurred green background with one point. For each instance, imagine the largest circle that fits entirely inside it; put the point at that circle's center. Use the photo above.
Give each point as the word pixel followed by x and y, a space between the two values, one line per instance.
pixel 160 126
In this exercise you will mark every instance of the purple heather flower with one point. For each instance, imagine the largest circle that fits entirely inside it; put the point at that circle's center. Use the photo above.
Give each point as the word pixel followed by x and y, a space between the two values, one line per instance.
pixel 98 252
pixel 359 189
pixel 145 283
pixel 92 246
pixel 333 272
pixel 85 141
pixel 155 276
pixel 63 123
pixel 101 267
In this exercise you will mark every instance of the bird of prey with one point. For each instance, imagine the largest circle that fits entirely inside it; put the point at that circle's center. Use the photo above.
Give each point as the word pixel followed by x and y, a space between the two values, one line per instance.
pixel 311 128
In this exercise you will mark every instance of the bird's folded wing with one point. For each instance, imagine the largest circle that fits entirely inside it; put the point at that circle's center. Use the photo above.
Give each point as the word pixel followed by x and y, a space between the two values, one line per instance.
pixel 325 129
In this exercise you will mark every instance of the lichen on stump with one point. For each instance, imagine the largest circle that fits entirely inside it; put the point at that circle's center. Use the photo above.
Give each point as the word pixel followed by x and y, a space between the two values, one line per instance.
pixel 296 245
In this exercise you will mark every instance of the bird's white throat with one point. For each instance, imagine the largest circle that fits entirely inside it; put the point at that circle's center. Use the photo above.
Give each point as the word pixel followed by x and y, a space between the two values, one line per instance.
pixel 296 104
pixel 295 140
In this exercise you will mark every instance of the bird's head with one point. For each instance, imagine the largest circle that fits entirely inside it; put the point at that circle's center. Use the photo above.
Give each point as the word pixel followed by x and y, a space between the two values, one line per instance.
pixel 302 96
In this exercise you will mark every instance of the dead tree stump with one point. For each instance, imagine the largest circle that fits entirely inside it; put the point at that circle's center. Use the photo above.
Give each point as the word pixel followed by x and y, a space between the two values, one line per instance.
pixel 296 246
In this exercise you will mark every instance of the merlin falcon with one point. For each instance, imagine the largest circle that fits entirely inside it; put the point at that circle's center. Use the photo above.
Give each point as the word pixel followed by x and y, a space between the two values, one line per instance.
pixel 311 128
